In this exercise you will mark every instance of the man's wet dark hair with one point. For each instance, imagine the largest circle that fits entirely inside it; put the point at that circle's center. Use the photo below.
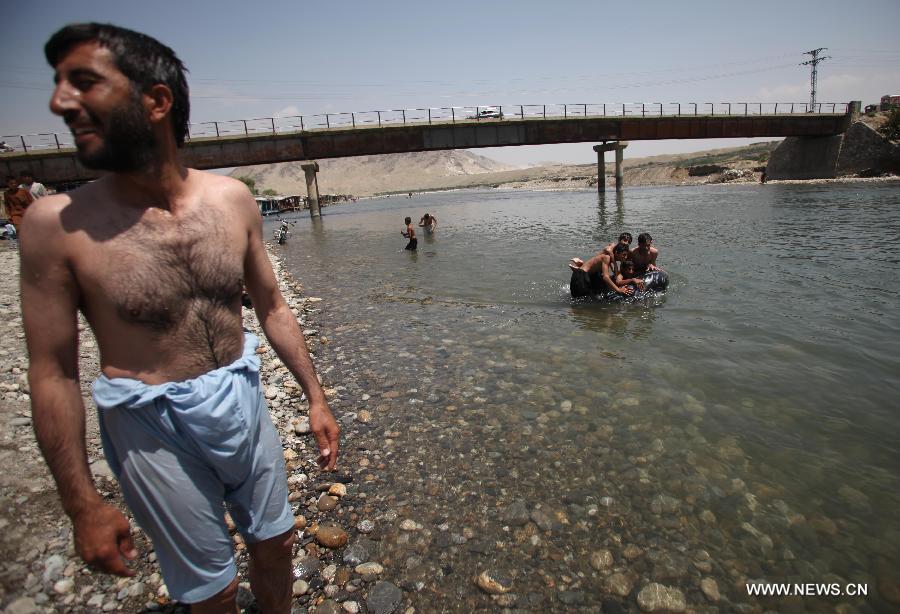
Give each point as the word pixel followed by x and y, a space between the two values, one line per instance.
pixel 408 220
pixel 619 248
pixel 627 264
pixel 626 236
pixel 644 237
pixel 143 59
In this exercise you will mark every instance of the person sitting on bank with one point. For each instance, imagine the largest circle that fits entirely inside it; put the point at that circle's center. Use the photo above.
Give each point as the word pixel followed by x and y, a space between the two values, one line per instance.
pixel 626 276
pixel 428 222
pixel 410 233
pixel 644 255
pixel 596 275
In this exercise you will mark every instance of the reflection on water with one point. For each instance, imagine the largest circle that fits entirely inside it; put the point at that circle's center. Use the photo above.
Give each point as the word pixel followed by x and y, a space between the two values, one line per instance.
pixel 741 427
pixel 602 215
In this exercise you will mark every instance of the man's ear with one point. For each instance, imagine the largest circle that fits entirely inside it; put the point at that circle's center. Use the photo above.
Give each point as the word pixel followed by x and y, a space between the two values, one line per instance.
pixel 158 102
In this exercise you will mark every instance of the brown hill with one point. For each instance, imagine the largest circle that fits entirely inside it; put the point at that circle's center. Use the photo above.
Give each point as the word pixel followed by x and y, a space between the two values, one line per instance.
pixel 442 170
pixel 367 175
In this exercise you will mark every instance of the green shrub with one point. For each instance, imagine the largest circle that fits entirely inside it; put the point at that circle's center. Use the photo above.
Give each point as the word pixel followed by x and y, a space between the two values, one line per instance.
pixel 892 128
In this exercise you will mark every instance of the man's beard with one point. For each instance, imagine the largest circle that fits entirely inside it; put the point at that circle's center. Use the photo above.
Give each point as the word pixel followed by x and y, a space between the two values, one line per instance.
pixel 128 141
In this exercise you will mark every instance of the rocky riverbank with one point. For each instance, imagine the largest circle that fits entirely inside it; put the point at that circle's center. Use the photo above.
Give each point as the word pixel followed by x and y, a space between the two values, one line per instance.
pixel 39 570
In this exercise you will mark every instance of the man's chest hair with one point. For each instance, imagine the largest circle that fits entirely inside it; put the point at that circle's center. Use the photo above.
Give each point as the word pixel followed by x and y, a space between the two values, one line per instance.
pixel 155 274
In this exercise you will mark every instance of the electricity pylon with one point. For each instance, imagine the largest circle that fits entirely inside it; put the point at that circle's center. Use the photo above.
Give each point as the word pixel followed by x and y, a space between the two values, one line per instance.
pixel 816 58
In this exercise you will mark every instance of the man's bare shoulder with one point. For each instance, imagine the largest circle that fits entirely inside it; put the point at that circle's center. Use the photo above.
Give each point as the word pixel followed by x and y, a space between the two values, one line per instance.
pixel 45 214
pixel 224 186
pixel 226 192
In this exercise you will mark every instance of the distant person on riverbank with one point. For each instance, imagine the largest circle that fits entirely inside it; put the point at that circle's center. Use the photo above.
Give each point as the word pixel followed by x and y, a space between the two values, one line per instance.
pixel 428 222
pixel 410 233
pixel 644 255
pixel 36 189
pixel 153 254
pixel 596 275
pixel 17 200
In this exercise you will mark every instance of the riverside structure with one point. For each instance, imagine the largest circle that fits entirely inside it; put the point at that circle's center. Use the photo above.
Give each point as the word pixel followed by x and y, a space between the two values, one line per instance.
pixel 336 135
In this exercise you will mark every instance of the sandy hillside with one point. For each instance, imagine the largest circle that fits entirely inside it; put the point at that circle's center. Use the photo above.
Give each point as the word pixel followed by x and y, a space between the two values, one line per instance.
pixel 366 175
pixel 437 170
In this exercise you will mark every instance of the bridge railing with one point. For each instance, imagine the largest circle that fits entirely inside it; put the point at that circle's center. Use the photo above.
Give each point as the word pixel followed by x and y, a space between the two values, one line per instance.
pixel 25 143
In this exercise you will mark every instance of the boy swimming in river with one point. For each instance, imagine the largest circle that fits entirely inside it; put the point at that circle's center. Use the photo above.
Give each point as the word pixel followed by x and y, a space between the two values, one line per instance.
pixel 626 276
pixel 410 233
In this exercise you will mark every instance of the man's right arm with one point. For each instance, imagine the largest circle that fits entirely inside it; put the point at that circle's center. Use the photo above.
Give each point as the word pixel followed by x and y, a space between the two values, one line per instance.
pixel 50 298
pixel 608 280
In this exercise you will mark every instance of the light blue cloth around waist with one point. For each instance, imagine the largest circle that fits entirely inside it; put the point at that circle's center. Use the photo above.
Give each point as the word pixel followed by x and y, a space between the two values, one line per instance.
pixel 207 417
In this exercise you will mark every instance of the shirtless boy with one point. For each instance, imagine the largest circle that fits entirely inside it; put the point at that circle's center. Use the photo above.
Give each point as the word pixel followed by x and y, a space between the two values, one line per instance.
pixel 154 255
pixel 597 275
pixel 428 222
pixel 410 233
pixel 624 239
pixel 644 255
pixel 626 276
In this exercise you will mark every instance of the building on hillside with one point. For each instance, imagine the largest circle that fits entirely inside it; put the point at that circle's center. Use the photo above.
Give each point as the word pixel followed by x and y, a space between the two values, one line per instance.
pixel 890 101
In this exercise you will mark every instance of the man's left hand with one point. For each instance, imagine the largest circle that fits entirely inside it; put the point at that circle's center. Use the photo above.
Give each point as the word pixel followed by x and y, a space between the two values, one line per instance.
pixel 326 431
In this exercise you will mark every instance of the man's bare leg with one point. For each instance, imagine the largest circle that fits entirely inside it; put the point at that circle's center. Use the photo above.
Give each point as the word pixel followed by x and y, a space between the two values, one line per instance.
pixel 222 602
pixel 270 572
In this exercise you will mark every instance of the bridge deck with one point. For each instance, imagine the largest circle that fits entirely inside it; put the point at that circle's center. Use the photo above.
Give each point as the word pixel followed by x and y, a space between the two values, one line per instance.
pixel 61 165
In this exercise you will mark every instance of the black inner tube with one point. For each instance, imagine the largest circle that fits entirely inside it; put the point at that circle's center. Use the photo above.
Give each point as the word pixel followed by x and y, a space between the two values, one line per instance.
pixel 584 284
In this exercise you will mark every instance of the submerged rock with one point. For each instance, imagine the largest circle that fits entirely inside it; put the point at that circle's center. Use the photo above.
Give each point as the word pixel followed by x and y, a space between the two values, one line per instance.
pixel 658 598
pixel 384 598
pixel 493 583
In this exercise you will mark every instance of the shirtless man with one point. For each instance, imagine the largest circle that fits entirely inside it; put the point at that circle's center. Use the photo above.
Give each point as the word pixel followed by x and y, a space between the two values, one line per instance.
pixel 644 255
pixel 428 222
pixel 154 255
pixel 597 274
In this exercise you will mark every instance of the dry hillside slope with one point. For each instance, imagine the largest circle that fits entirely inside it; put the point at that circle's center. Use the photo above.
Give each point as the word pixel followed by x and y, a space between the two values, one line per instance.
pixel 440 170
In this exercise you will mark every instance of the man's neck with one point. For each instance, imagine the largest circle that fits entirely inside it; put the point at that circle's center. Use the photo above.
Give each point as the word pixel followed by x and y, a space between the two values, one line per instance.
pixel 161 184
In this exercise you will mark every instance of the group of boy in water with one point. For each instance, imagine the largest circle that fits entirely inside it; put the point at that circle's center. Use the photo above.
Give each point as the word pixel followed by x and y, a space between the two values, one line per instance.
pixel 428 222
pixel 616 268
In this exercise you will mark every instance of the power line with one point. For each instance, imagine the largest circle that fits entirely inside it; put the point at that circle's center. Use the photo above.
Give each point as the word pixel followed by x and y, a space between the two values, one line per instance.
pixel 813 63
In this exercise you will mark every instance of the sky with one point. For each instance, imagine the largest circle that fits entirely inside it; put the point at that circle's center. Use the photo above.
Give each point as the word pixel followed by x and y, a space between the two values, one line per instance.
pixel 285 58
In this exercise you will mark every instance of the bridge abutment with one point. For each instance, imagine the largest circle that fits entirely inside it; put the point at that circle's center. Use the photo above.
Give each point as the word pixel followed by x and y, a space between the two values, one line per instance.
pixel 618 147
pixel 312 187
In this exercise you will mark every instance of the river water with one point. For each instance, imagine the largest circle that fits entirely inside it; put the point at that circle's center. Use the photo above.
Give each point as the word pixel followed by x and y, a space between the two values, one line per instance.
pixel 741 428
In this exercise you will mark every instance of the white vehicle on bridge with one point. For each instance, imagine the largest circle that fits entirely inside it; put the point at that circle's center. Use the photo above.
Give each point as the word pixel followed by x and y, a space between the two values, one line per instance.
pixel 488 113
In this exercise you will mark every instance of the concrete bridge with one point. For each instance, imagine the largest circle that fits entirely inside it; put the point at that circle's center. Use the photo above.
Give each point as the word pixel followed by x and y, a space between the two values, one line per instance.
pixel 52 158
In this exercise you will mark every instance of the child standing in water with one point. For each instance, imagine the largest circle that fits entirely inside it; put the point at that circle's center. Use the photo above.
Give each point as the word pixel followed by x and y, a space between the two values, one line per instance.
pixel 410 233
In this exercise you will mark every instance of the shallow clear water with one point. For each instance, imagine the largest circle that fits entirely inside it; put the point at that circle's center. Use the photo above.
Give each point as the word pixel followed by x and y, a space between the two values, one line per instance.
pixel 763 387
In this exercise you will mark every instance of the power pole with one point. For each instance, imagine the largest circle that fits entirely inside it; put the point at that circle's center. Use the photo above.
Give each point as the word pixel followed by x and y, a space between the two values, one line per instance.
pixel 813 63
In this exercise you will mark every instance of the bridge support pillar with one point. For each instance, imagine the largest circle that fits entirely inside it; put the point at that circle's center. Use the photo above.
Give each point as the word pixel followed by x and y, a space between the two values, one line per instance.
pixel 601 166
pixel 620 147
pixel 601 150
pixel 312 186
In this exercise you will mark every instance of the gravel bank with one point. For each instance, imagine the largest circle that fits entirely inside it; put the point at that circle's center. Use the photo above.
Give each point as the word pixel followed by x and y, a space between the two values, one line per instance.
pixel 39 570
